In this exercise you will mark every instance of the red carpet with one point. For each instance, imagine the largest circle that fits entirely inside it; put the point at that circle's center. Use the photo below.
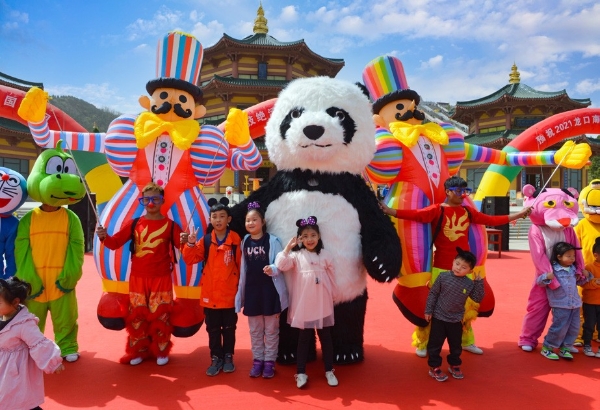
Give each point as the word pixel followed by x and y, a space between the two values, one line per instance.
pixel 391 377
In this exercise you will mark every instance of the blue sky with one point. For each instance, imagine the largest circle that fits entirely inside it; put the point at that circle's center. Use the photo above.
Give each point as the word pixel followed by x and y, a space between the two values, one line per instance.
pixel 104 51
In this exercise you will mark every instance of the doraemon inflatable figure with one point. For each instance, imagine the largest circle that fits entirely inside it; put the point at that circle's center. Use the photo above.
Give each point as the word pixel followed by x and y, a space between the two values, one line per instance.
pixel 13 193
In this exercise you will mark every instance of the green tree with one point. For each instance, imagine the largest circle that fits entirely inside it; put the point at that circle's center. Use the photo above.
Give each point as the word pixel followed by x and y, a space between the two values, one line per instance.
pixel 595 168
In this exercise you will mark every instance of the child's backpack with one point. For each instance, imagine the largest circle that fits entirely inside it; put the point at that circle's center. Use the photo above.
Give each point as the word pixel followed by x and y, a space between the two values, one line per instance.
pixel 207 240
pixel 132 242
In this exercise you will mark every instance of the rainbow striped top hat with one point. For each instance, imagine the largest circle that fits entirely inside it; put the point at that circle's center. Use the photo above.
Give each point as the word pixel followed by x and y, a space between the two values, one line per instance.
pixel 178 61
pixel 384 78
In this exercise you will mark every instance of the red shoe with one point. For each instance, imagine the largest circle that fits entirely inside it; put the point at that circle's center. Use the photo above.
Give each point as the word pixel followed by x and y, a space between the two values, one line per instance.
pixel 455 372
pixel 438 374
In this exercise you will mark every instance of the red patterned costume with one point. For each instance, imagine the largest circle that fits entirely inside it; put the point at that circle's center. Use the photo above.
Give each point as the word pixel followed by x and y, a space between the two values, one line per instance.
pixel 150 285
pixel 454 229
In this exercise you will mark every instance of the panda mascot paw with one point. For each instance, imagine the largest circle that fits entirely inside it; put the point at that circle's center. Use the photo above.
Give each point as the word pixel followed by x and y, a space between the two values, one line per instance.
pixel 320 136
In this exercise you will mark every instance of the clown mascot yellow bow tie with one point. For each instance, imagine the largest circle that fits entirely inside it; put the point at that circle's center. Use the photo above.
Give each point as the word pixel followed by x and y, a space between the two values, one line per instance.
pixel 149 126
pixel 408 134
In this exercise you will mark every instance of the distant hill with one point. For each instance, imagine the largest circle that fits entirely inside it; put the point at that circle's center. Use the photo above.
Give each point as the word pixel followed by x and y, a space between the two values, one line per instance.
pixel 85 113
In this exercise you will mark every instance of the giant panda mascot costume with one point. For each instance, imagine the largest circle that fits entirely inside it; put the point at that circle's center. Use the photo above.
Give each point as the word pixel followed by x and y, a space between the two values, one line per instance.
pixel 320 137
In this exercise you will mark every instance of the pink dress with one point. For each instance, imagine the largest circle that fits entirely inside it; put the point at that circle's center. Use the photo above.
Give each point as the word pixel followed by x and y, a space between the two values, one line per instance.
pixel 310 282
pixel 24 353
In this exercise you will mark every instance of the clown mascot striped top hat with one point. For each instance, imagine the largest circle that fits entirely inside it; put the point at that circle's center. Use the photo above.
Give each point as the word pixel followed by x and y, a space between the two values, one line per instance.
pixel 385 79
pixel 178 61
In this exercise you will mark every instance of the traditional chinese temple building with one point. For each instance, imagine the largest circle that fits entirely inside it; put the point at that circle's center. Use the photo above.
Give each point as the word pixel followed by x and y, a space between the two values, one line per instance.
pixel 500 117
pixel 242 73
pixel 17 149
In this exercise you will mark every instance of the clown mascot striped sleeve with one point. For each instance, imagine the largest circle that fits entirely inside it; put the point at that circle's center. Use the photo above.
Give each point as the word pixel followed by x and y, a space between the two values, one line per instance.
pixel 166 145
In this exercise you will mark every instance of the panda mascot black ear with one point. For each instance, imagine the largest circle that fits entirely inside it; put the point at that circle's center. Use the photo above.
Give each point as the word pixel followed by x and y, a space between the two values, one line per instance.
pixel 364 89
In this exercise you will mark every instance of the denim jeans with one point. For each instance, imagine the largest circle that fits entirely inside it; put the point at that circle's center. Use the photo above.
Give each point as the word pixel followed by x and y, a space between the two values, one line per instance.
pixel 564 328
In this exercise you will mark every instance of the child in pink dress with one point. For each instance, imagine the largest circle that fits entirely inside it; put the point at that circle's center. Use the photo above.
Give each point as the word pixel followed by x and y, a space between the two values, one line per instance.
pixel 311 289
pixel 24 351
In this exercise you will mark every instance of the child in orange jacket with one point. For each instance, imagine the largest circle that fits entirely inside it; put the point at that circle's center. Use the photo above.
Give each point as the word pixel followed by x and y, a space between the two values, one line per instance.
pixel 219 284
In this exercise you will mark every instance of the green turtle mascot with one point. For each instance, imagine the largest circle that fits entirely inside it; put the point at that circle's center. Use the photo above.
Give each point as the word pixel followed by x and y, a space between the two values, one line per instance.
pixel 49 247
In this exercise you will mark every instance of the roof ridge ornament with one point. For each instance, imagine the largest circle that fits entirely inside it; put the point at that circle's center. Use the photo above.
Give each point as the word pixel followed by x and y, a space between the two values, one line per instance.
pixel 260 23
pixel 515 76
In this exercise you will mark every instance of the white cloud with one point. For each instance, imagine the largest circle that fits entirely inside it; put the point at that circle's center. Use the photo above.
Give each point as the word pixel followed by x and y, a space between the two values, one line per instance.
pixel 194 15
pixel 323 15
pixel 10 25
pixel 19 17
pixel 143 48
pixel 587 86
pixel 208 34
pixel 552 86
pixel 353 25
pixel 100 95
pixel 288 14
pixel 164 20
pixel 432 62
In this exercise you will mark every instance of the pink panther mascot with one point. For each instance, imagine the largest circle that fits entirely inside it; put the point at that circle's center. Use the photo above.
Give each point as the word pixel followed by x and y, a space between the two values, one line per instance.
pixel 164 144
pixel 554 214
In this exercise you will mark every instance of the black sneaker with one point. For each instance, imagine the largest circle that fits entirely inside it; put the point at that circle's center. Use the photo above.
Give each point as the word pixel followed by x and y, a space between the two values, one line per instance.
pixel 228 366
pixel 215 366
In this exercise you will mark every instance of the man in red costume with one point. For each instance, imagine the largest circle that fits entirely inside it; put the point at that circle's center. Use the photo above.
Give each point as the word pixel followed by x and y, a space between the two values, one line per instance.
pixel 150 284
pixel 451 220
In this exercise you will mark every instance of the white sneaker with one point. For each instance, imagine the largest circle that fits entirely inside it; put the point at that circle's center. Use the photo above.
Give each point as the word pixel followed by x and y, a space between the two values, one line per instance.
pixel 526 348
pixel 161 361
pixel 573 349
pixel 73 357
pixel 473 349
pixel 579 344
pixel 587 350
pixel 421 352
pixel 136 361
pixel 301 380
pixel 331 379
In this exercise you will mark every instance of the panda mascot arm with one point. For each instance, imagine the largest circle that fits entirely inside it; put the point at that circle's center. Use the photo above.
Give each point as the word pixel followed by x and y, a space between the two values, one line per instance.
pixel 379 241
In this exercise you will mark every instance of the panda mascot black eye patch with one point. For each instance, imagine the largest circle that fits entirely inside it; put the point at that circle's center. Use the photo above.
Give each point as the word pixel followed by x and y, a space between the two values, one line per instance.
pixel 285 124
pixel 321 136
pixel 346 121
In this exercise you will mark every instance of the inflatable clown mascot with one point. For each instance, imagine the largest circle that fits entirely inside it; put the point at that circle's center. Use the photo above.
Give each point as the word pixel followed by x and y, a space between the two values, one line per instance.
pixel 49 247
pixel 415 159
pixel 164 144
pixel 13 193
